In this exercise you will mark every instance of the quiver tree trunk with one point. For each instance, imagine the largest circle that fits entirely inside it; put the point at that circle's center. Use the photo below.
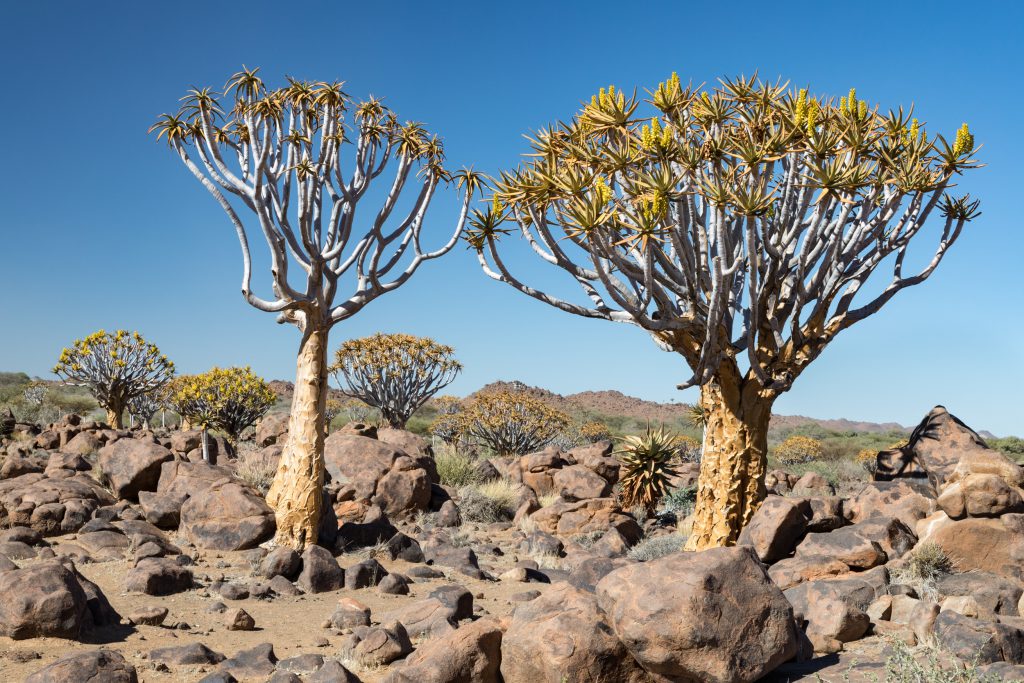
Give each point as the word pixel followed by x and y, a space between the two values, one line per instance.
pixel 115 412
pixel 296 493
pixel 734 461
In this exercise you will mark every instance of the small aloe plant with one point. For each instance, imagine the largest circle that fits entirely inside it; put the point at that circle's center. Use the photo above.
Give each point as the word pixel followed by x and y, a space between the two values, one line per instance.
pixel 648 466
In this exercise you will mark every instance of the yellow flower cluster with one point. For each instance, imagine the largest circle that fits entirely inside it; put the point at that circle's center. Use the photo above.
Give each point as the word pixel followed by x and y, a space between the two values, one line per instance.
pixel 964 143
pixel 395 373
pixel 230 399
pixel 797 449
pixel 654 136
pixel 511 422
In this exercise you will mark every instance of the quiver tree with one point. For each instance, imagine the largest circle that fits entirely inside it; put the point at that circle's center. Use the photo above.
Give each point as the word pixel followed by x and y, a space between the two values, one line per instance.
pixel 276 156
pixel 737 225
pixel 395 373
pixel 115 368
pixel 510 422
pixel 228 399
pixel 143 407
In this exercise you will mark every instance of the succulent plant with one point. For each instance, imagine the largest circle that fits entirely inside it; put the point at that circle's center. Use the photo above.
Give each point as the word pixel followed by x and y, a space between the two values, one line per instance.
pixel 648 466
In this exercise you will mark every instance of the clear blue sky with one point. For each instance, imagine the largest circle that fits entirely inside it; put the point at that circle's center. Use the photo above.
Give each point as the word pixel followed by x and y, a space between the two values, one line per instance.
pixel 103 228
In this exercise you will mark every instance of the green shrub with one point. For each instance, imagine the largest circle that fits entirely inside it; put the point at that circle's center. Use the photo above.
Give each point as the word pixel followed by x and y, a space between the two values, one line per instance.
pixel 656 547
pixel 455 468
pixel 680 501
pixel 492 501
pixel 904 667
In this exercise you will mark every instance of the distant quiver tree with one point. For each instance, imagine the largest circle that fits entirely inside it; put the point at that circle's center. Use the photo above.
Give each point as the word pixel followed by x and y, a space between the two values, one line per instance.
pixel 738 225
pixel 115 368
pixel 277 156
pixel 395 373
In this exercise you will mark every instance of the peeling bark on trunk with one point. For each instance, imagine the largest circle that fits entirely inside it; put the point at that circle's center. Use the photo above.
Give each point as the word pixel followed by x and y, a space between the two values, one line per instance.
pixel 296 493
pixel 114 419
pixel 735 459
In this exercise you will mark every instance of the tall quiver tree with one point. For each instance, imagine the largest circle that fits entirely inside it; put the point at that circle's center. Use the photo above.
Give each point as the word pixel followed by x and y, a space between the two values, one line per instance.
pixel 737 225
pixel 278 155
pixel 116 368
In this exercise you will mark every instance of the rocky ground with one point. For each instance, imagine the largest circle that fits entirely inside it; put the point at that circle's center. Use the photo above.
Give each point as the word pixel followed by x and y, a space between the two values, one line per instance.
pixel 124 556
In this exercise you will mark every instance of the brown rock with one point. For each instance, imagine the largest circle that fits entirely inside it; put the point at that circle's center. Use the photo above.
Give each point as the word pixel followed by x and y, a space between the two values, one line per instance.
pixel 378 473
pixel 890 499
pixel 579 482
pixel 472 654
pixel 564 635
pixel 776 527
pixel 42 600
pixel 239 620
pixel 96 666
pixel 980 495
pixel 227 516
pixel 132 465
pixel 710 616
pixel 272 428
pixel 977 543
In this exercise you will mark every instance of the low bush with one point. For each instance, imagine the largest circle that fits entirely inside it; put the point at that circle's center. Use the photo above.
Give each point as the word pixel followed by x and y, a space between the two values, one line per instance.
pixel 455 468
pixel 680 501
pixel 491 501
pixel 256 470
pixel 656 547
pixel 798 449
pixel 907 665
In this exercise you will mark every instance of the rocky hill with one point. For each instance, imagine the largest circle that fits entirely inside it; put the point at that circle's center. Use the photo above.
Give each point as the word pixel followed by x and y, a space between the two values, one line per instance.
pixel 611 402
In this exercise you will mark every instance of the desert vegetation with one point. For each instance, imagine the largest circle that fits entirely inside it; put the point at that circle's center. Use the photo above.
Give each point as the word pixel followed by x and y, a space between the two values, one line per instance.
pixel 737 224
pixel 115 368
pixel 294 137
pixel 378 531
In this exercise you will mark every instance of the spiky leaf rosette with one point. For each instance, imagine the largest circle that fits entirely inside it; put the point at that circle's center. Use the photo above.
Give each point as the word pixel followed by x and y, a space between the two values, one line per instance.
pixel 735 220
pixel 231 399
pixel 395 373
pixel 648 466
pixel 512 422
pixel 114 367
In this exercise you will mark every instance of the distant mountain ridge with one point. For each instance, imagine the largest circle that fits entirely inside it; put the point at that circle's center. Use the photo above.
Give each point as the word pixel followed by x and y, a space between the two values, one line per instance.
pixel 613 402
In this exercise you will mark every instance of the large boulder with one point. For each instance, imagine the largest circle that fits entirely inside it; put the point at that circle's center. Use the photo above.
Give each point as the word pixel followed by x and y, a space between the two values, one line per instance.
pixel 183 478
pixel 227 515
pixel 158 576
pixel 567 518
pixel 132 465
pixel 578 482
pixel 711 616
pixel 272 429
pixel 897 498
pixel 978 543
pixel 470 654
pixel 564 636
pixel 42 600
pixel 378 473
pixel 51 506
pixel 94 666
pixel 980 495
pixel 936 447
pixel 776 527
pixel 835 610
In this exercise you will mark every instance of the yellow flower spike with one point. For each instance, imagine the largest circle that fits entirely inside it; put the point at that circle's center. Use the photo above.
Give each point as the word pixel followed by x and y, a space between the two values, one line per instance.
pixel 862 110
pixel 666 137
pixel 675 82
pixel 964 142
pixel 842 106
pixel 851 101
pixel 495 206
pixel 812 115
pixel 593 101
pixel 915 129
pixel 801 106
pixel 622 101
